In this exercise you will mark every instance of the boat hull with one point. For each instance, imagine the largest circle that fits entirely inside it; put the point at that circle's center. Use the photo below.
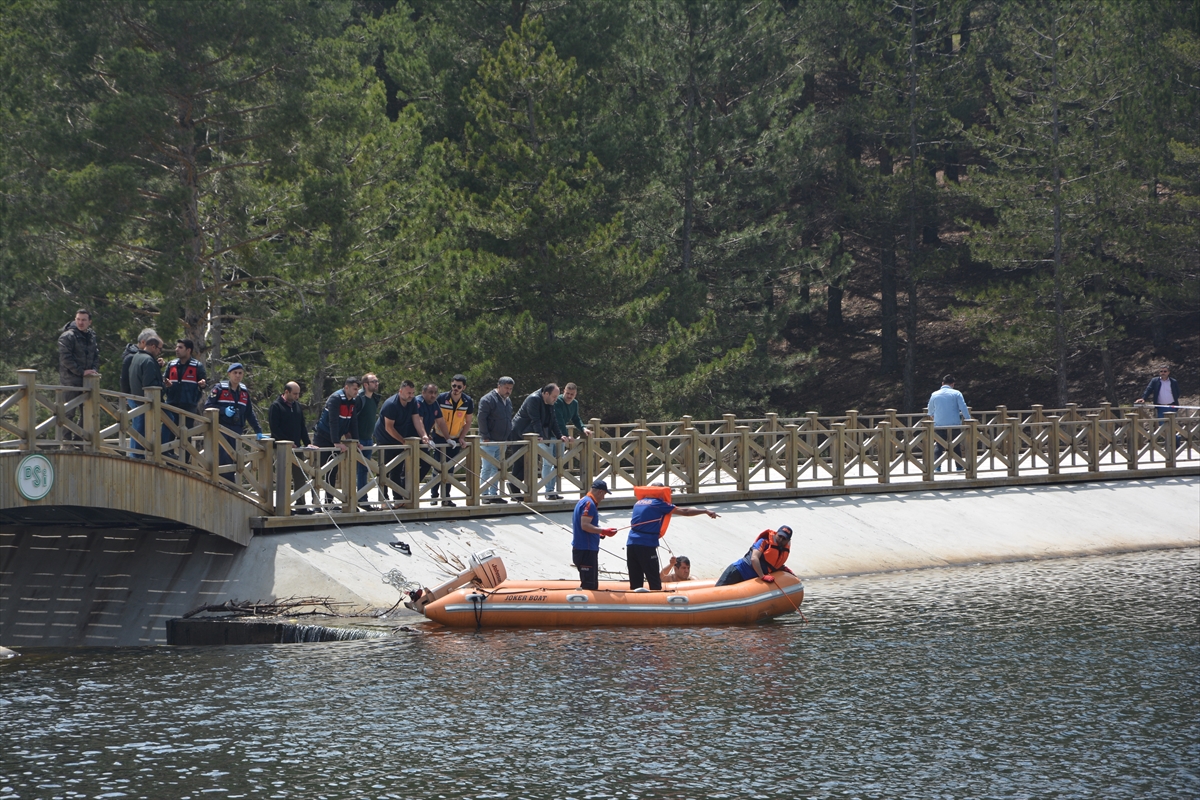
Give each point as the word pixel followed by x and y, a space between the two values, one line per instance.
pixel 562 604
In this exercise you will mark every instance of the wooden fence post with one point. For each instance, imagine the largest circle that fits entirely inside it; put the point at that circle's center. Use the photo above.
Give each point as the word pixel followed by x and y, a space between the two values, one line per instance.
pixel 838 453
pixel 971 449
pixel 730 425
pixel 348 476
pixel 474 470
pixel 533 473
pixel 27 418
pixel 929 452
pixel 1014 446
pixel 90 418
pixel 597 432
pixel 1037 413
pixel 283 479
pixel 1168 430
pixel 1106 411
pixel 772 421
pixel 693 459
pixel 412 472
pixel 152 422
pixel 884 432
pixel 641 455
pixel 791 454
pixel 587 465
pixel 1052 446
pixel 743 457
pixel 1133 445
pixel 852 420
pixel 1093 443
pixel 212 442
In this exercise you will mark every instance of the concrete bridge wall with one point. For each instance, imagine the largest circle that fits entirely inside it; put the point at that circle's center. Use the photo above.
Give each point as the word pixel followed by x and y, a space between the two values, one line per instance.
pixel 66 586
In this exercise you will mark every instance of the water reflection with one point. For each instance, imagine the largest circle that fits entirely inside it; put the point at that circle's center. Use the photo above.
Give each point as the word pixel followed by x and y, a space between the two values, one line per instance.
pixel 1074 678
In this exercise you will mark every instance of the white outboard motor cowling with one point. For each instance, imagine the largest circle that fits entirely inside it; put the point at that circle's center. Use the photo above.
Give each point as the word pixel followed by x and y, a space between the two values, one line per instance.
pixel 484 568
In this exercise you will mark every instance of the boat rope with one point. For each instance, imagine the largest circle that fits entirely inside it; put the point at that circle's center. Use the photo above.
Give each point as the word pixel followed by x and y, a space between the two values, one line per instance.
pixel 393 578
pixel 560 525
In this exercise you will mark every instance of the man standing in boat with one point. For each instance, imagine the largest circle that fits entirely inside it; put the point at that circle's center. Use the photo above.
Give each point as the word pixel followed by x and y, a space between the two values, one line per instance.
pixel 767 555
pixel 585 544
pixel 651 516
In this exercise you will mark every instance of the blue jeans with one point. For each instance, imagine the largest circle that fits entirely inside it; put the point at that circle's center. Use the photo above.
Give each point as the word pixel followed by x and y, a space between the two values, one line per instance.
pixel 363 473
pixel 549 470
pixel 139 425
pixel 489 470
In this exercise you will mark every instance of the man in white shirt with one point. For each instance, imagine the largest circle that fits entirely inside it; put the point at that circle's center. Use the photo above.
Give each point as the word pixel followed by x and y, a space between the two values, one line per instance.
pixel 949 411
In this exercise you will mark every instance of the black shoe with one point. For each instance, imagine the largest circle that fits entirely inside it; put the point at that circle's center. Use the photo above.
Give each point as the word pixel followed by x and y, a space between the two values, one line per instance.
pixel 402 547
pixel 448 502
pixel 500 500
pixel 518 498
pixel 554 497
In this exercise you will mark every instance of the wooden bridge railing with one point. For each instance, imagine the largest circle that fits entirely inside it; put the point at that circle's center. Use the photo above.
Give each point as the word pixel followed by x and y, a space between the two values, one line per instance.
pixel 730 456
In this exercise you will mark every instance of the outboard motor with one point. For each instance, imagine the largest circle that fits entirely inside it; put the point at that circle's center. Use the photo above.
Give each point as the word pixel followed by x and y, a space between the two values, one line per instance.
pixel 484 568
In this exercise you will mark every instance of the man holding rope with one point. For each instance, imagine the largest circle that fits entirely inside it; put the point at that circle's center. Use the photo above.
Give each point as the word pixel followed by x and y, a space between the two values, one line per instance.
pixel 651 516
pixel 586 530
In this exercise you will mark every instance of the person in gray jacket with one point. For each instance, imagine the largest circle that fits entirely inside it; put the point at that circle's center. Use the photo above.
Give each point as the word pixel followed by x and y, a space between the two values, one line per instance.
pixel 143 373
pixel 536 415
pixel 494 415
pixel 78 355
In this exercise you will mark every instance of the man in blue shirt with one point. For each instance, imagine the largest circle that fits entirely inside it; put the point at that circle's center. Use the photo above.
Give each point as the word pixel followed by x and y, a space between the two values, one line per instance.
pixel 651 515
pixel 949 411
pixel 586 530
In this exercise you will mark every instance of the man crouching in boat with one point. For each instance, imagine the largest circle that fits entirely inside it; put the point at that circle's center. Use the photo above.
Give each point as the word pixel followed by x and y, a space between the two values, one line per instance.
pixel 651 516
pixel 585 546
pixel 768 554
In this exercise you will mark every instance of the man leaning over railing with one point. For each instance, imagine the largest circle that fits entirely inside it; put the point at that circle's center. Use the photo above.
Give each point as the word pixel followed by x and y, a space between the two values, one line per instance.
pixel 949 411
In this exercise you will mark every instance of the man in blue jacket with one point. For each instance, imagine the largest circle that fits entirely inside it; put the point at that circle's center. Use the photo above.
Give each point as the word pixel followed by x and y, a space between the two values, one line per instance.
pixel 586 533
pixel 650 516
pixel 949 411
pixel 338 422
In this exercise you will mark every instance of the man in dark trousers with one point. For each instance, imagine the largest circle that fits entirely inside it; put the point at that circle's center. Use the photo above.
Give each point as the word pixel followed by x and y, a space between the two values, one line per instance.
pixel 338 422
pixel 536 415
pixel 367 412
pixel 78 355
pixel 1162 392
pixel 586 533
pixel 143 374
pixel 185 381
pixel 232 399
pixel 286 418
pixel 395 424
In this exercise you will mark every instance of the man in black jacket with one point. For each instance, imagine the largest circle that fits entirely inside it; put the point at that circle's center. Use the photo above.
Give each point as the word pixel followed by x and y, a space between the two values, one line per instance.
pixel 286 419
pixel 143 374
pixel 536 415
pixel 338 421
pixel 78 355
pixel 1163 392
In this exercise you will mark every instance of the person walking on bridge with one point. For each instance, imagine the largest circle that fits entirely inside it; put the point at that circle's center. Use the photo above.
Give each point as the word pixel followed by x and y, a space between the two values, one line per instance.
pixel 185 381
pixel 1162 392
pixel 232 399
pixel 143 374
pixel 586 533
pixel 949 411
pixel 78 356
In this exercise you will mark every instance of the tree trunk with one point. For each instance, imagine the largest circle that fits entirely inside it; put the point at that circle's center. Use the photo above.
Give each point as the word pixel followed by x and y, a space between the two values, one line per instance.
pixel 889 352
pixel 1060 332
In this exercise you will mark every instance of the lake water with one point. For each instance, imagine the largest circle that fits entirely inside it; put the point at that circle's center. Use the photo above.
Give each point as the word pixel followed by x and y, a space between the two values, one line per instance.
pixel 1057 679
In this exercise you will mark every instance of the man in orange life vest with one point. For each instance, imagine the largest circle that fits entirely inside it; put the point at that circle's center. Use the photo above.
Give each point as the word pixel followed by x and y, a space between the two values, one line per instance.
pixel 768 554
pixel 651 516
pixel 585 544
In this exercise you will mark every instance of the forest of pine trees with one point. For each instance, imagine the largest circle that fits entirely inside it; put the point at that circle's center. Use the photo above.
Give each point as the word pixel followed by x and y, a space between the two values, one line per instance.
pixel 685 207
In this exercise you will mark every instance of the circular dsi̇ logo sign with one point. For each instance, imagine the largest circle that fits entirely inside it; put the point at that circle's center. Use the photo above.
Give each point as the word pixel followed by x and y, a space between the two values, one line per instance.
pixel 35 476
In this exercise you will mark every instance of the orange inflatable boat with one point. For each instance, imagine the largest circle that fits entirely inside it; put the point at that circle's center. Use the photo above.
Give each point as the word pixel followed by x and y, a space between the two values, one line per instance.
pixel 485 598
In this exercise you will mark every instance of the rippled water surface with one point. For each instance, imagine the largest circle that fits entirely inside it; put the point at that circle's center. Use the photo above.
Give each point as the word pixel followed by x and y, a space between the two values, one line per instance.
pixel 1056 679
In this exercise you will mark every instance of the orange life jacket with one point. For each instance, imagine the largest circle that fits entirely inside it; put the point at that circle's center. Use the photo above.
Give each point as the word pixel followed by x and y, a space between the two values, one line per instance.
pixel 662 493
pixel 774 554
